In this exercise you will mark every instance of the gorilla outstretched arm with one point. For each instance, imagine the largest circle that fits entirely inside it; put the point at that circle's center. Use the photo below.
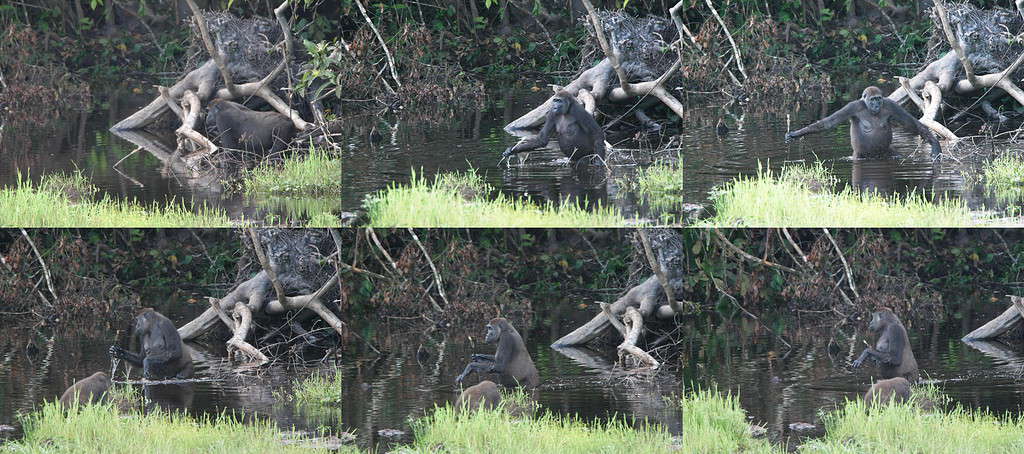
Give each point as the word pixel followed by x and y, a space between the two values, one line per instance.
pixel 888 350
pixel 541 140
pixel 852 108
pixel 901 116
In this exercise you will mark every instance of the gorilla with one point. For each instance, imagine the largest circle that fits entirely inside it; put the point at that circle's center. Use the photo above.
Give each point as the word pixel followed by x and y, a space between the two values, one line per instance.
pixel 511 362
pixel 870 129
pixel 892 349
pixel 484 394
pixel 162 354
pixel 233 125
pixel 577 132
pixel 892 389
pixel 89 390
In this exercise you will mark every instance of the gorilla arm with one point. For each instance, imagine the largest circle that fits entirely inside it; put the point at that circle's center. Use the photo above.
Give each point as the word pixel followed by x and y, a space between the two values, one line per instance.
pixel 888 350
pixel 852 108
pixel 541 140
pixel 901 116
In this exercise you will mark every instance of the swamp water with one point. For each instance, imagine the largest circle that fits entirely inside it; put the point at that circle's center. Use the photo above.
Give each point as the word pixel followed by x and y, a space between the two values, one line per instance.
pixel 474 139
pixel 81 141
pixel 777 385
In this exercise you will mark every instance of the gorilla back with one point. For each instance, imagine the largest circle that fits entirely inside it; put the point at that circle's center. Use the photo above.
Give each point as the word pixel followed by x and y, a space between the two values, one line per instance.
pixel 236 126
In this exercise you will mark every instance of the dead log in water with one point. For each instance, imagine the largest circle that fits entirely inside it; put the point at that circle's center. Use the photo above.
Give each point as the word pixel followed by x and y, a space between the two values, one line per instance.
pixel 1008 320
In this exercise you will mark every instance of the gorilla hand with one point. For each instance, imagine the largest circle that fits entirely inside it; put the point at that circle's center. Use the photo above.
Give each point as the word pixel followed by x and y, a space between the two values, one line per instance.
pixel 461 377
pixel 117 352
pixel 857 363
pixel 790 136
pixel 936 152
pixel 508 152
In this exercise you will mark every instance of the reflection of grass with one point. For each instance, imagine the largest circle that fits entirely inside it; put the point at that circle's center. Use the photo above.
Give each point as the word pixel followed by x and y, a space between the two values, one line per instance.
pixel 1004 176
pixel 100 428
pixel 315 173
pixel 288 209
pixel 66 201
pixel 905 428
pixel 317 397
pixel 802 197
pixel 460 200
pixel 661 184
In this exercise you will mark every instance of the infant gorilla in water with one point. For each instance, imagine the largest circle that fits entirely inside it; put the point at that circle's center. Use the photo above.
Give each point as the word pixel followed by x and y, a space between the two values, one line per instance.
pixel 89 390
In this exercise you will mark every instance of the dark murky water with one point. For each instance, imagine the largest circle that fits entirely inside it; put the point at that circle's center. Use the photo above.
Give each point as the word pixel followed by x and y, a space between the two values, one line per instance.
pixel 81 141
pixel 39 365
pixel 475 139
pixel 777 385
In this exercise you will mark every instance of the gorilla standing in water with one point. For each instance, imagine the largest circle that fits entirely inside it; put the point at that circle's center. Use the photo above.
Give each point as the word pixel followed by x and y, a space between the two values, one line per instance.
pixel 162 354
pixel 870 128
pixel 511 362
pixel 577 132
pixel 236 126
pixel 892 349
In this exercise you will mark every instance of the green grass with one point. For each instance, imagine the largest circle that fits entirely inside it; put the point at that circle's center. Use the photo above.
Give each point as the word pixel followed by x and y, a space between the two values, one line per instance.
pixel 461 200
pixel 318 389
pixel 713 422
pixel 661 183
pixel 1004 177
pixel 904 428
pixel 315 173
pixel 100 428
pixel 803 197
pixel 66 201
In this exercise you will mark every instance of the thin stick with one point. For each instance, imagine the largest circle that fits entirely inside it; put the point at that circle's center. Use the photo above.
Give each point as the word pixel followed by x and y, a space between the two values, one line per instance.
pixel 136 150
pixel 217 57
pixel 616 323
pixel 749 257
pixel 735 48
pixel 387 53
pixel 437 276
pixel 662 278
pixel 846 266
pixel 46 270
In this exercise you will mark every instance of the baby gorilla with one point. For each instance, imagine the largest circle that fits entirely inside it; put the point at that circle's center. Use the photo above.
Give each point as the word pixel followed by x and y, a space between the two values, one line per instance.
pixel 162 353
pixel 577 132
pixel 890 390
pixel 892 349
pixel 89 390
pixel 511 362
pixel 870 129
pixel 233 125
pixel 484 394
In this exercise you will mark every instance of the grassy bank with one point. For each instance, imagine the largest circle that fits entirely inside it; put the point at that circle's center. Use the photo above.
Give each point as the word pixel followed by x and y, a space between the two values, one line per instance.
pixel 68 201
pixel 461 200
pixel 100 428
pixel 1004 177
pixel 803 196
pixel 315 173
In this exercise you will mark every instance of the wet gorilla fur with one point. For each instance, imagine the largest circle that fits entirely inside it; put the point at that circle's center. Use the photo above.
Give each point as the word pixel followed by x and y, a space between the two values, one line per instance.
pixel 162 354
pixel 892 349
pixel 484 394
pixel 577 132
pixel 870 129
pixel 92 389
pixel 511 362
pixel 235 126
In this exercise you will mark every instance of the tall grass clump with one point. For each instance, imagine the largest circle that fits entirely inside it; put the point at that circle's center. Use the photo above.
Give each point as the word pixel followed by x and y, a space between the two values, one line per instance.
pixel 318 389
pixel 803 197
pixel 461 200
pixel 100 428
pixel 855 428
pixel 498 431
pixel 315 173
pixel 67 201
pixel 1004 177
pixel 713 423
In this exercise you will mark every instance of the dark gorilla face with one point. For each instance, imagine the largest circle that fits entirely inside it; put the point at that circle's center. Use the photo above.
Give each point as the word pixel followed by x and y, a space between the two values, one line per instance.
pixel 872 97
pixel 878 319
pixel 492 334
pixel 559 106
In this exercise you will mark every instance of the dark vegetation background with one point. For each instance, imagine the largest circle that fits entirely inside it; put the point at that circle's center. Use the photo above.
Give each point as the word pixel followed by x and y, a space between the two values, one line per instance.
pixel 921 273
pixel 54 49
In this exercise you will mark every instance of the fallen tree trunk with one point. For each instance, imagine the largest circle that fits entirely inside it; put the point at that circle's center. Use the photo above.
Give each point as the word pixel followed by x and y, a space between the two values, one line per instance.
pixel 1008 320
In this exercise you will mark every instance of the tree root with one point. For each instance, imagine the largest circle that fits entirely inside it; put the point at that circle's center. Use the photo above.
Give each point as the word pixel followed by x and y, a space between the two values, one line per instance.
pixel 635 326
